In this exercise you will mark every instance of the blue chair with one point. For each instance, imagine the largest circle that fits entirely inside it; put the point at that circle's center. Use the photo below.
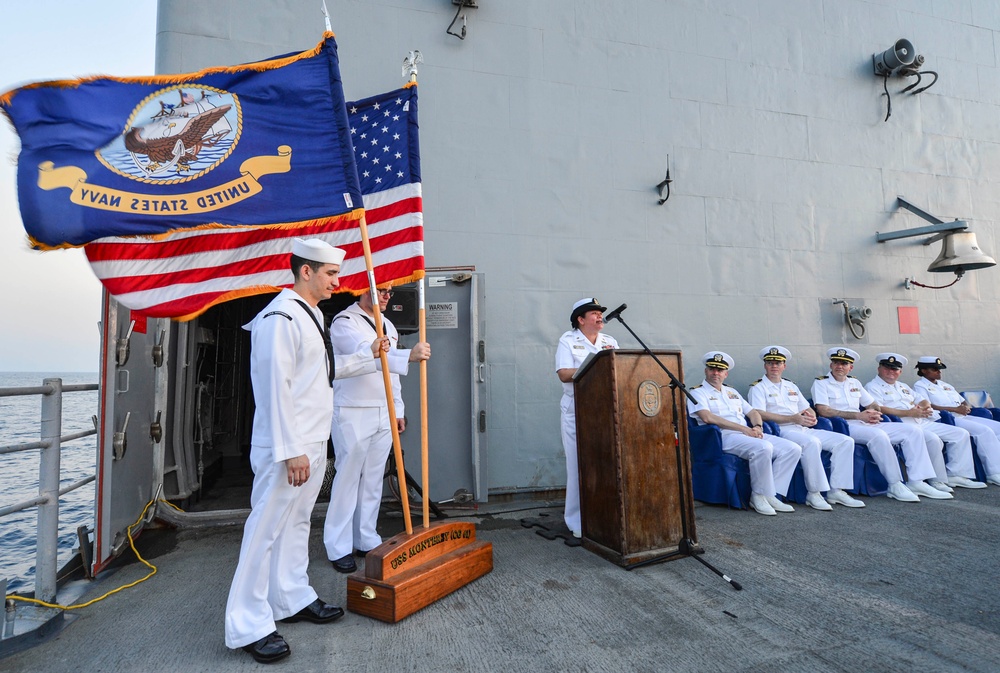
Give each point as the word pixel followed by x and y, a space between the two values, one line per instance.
pixel 890 418
pixel 868 479
pixel 982 413
pixel 976 398
pixel 797 487
pixel 717 477
pixel 980 399
pixel 948 418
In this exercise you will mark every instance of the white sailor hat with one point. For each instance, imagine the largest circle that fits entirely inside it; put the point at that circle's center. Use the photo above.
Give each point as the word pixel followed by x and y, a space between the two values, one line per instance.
pixel 841 354
pixel 775 353
pixel 586 304
pixel 718 360
pixel 930 361
pixel 891 360
pixel 318 250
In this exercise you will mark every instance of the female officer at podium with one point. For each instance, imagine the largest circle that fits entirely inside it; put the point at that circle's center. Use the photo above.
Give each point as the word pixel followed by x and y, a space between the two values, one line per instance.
pixel 587 319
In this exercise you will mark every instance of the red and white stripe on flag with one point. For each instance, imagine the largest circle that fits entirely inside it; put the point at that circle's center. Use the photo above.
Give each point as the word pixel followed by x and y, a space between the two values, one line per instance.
pixel 182 274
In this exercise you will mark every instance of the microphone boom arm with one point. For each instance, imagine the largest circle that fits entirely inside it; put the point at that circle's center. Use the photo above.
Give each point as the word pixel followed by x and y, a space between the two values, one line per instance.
pixel 616 315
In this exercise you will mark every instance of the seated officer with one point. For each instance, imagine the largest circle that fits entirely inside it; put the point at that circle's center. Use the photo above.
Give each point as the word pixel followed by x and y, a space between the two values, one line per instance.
pixel 781 401
pixel 772 460
pixel 838 394
pixel 944 397
pixel 896 398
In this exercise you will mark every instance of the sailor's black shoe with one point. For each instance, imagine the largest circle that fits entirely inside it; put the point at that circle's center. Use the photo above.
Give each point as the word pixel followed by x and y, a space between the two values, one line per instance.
pixel 362 554
pixel 269 649
pixel 345 564
pixel 316 612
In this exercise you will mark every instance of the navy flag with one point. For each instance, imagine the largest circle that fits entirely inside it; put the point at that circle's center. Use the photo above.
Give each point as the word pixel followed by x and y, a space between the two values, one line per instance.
pixel 182 274
pixel 264 144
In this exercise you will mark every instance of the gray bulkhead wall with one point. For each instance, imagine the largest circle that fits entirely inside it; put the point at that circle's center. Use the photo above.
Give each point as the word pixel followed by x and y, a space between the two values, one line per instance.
pixel 544 132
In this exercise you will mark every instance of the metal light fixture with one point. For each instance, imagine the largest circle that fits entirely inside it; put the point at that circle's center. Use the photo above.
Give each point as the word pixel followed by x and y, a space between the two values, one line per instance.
pixel 960 251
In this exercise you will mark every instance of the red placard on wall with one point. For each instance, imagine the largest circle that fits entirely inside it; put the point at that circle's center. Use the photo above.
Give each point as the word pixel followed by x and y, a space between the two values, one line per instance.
pixel 909 319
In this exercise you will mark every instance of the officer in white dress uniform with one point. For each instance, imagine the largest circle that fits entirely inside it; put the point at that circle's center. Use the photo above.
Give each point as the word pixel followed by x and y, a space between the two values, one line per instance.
pixel 362 436
pixel 944 397
pixel 772 460
pixel 587 319
pixel 896 398
pixel 838 394
pixel 780 400
pixel 292 370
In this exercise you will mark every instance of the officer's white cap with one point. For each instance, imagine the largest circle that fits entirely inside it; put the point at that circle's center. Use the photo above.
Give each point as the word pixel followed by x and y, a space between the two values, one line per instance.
pixel 842 355
pixel 318 250
pixel 775 353
pixel 583 307
pixel 718 360
pixel 930 361
pixel 891 360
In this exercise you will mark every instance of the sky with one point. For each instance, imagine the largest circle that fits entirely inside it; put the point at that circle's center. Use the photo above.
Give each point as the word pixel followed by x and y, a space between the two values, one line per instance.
pixel 50 310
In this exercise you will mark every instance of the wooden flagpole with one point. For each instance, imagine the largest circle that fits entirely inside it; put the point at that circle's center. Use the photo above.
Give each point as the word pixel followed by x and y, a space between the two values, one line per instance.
pixel 397 449
pixel 425 469
pixel 410 571
pixel 425 479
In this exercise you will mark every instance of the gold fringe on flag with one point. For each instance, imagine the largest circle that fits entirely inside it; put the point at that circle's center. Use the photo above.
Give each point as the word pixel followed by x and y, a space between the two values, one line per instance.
pixel 259 66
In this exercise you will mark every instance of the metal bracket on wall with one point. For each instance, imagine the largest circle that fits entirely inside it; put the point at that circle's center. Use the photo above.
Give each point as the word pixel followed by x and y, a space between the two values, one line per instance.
pixel 938 230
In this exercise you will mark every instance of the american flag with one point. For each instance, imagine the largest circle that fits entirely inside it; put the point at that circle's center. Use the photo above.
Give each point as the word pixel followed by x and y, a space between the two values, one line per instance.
pixel 384 132
pixel 182 274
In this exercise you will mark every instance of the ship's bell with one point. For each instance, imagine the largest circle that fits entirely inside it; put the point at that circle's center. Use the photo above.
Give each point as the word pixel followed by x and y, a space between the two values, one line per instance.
pixel 960 253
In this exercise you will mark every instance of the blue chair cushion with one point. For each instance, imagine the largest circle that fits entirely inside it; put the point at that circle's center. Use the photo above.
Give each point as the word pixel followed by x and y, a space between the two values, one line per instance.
pixel 717 477
pixel 948 418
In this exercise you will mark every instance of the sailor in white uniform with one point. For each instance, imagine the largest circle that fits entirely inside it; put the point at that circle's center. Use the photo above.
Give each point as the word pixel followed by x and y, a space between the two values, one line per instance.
pixel 838 394
pixel 943 397
pixel 292 371
pixel 587 319
pixel 362 436
pixel 772 459
pixel 896 398
pixel 780 400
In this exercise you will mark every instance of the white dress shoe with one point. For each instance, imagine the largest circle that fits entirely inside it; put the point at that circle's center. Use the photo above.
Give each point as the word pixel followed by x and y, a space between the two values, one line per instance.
pixel 940 485
pixel 993 479
pixel 836 496
pixel 965 482
pixel 759 504
pixel 928 491
pixel 816 501
pixel 899 491
pixel 777 505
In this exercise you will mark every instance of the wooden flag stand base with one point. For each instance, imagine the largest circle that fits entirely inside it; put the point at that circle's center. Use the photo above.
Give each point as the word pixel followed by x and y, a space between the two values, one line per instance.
pixel 410 571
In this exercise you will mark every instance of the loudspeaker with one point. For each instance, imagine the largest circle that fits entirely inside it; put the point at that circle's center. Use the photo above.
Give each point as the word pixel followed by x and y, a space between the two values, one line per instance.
pixel 896 56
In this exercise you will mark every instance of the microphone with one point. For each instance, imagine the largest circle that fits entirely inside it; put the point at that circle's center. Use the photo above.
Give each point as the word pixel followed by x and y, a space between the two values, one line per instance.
pixel 614 314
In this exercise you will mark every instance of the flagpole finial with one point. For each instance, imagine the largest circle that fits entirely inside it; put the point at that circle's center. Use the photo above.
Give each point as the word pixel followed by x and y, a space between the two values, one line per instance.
pixel 410 64
pixel 326 18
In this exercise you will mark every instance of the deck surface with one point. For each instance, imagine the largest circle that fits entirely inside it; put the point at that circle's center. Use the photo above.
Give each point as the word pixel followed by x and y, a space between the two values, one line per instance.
pixel 892 587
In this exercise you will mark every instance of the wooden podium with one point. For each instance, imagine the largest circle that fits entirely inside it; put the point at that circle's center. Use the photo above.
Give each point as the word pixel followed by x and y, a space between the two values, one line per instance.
pixel 635 495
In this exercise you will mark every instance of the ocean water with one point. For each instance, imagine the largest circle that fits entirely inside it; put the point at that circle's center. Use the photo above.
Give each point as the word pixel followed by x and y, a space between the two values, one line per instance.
pixel 19 424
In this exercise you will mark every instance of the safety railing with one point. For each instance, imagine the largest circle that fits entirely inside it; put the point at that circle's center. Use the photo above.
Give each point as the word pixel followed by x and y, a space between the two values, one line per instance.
pixel 49 492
